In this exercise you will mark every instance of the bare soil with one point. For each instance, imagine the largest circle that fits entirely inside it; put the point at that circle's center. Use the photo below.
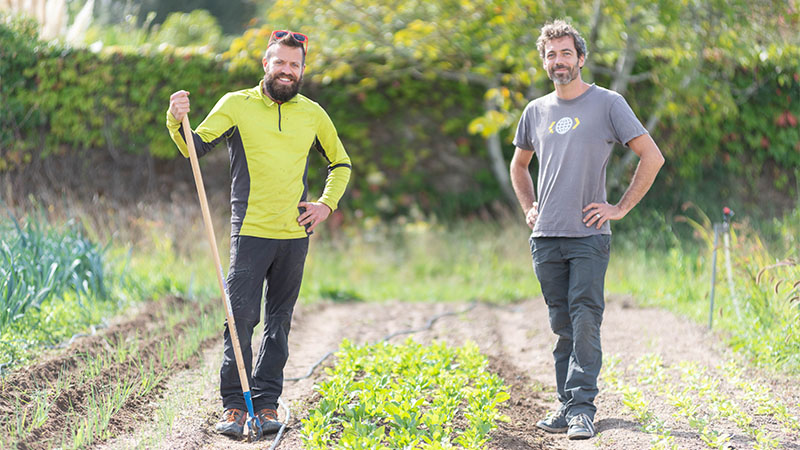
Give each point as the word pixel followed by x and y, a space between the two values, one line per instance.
pixel 66 367
pixel 516 338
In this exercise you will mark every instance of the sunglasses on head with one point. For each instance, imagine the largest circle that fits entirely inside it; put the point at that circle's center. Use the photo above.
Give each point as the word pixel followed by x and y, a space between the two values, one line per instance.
pixel 299 37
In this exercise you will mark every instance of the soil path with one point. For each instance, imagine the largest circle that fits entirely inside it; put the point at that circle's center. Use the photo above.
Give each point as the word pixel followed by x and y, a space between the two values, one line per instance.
pixel 518 342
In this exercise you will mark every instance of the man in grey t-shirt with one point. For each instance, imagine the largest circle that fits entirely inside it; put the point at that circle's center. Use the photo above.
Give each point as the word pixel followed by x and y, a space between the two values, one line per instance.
pixel 572 131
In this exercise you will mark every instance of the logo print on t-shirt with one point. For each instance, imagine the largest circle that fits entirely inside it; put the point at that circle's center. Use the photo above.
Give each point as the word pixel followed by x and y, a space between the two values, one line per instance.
pixel 564 124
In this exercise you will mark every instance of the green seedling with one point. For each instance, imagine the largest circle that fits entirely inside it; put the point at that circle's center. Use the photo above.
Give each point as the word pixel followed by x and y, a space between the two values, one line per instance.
pixel 405 396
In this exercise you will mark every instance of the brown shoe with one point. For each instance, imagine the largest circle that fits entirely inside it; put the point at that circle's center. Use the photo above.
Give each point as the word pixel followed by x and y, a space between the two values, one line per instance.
pixel 232 422
pixel 268 418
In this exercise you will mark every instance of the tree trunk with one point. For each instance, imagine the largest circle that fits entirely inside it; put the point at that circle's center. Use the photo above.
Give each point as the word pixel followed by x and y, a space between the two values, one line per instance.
pixel 594 33
pixel 500 168
pixel 498 164
pixel 622 75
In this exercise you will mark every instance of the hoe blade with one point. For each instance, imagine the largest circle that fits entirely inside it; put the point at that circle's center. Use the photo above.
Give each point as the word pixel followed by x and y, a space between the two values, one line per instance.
pixel 254 429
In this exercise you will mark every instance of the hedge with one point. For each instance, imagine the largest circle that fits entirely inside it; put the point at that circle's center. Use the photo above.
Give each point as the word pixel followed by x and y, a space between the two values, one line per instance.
pixel 408 138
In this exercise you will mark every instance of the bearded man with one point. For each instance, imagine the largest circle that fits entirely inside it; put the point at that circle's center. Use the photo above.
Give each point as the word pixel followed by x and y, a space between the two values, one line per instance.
pixel 270 130
pixel 572 131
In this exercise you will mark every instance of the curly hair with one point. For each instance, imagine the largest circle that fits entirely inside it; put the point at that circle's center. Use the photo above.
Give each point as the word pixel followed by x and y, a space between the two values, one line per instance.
pixel 288 41
pixel 558 29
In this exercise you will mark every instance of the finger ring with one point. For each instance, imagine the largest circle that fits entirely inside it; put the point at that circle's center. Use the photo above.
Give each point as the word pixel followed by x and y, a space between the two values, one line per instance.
pixel 597 215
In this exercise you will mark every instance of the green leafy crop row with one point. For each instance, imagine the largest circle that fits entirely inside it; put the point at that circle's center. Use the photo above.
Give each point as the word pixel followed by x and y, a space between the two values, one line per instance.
pixel 410 396
pixel 40 262
pixel 54 282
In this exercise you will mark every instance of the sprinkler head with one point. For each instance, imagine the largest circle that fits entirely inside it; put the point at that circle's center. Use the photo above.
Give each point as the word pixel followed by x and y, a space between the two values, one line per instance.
pixel 727 213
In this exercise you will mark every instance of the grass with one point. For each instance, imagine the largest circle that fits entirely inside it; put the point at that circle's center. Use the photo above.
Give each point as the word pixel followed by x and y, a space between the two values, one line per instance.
pixel 421 261
pixel 92 425
pixel 118 372
pixel 53 283
pixel 403 261
pixel 150 256
pixel 756 307
pixel 57 280
pixel 70 283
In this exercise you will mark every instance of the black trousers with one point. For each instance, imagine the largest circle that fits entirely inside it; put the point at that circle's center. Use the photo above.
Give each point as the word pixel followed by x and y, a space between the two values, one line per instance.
pixel 572 274
pixel 280 263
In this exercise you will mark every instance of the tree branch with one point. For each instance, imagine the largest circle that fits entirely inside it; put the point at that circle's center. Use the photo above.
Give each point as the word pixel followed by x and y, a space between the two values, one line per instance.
pixel 626 61
pixel 594 33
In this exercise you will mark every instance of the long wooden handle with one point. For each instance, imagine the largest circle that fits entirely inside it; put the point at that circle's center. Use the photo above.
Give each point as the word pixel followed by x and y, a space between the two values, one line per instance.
pixel 201 194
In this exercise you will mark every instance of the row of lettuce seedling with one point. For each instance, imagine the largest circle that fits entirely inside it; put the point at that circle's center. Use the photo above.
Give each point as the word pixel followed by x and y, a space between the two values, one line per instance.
pixel 410 396
pixel 700 398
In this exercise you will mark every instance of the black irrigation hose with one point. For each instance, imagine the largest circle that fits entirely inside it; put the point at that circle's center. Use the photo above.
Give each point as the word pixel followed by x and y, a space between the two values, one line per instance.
pixel 427 326
pixel 310 372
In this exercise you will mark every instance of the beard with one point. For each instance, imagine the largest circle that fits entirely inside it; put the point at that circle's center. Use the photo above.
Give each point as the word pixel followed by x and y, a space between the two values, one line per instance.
pixel 563 78
pixel 280 92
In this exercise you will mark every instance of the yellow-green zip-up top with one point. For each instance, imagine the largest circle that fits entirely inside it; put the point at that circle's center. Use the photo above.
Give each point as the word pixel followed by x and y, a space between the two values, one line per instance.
pixel 269 145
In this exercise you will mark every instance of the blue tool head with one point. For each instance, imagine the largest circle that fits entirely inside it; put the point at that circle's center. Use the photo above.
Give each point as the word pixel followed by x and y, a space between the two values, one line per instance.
pixel 254 429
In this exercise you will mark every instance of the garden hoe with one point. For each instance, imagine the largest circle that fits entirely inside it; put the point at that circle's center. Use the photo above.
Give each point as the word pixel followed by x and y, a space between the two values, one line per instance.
pixel 254 430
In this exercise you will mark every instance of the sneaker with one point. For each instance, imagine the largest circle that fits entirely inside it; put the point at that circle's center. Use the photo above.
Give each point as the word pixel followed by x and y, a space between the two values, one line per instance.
pixel 555 422
pixel 268 418
pixel 232 423
pixel 580 427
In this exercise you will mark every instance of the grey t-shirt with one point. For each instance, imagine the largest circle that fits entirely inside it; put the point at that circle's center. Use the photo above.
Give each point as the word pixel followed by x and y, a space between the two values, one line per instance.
pixel 573 140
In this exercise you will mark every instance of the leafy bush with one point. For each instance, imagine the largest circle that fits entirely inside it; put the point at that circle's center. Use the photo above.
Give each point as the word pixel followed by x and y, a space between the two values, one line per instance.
pixel 198 27
pixel 17 39
pixel 407 132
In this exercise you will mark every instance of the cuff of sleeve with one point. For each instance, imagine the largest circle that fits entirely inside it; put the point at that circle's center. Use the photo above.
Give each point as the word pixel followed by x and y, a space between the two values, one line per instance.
pixel 327 202
pixel 172 121
pixel 523 147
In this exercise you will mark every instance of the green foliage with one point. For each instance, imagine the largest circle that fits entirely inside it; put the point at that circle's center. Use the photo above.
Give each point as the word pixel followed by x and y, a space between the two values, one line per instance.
pixel 125 34
pixel 248 50
pixel 78 101
pixel 757 306
pixel 198 27
pixel 486 45
pixel 421 261
pixel 698 83
pixel 56 282
pixel 386 396
pixel 699 397
pixel 414 87
pixel 755 124
pixel 16 54
pixel 40 263
pixel 233 15
pixel 53 282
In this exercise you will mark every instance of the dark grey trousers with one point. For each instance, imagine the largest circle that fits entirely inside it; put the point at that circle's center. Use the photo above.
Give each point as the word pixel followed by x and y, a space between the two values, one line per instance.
pixel 571 272
pixel 255 260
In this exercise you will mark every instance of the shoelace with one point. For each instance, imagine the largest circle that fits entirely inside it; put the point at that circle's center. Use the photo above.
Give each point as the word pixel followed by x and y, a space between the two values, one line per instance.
pixel 234 415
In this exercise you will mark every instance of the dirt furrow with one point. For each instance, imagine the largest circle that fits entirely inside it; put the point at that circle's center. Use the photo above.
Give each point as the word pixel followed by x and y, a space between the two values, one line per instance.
pixel 86 371
pixel 516 338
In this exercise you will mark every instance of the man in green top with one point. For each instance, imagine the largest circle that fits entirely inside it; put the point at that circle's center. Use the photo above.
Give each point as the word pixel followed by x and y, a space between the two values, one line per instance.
pixel 269 130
